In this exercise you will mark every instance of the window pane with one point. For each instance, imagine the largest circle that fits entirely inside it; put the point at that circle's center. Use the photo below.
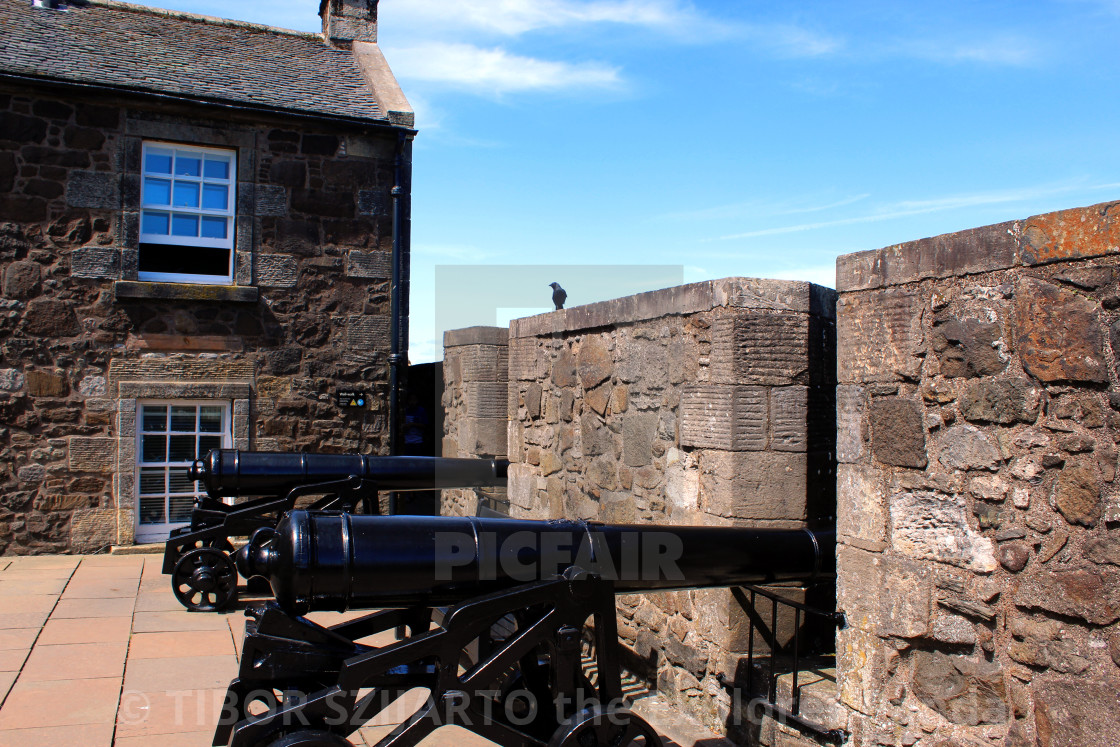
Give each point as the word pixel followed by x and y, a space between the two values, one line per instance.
pixel 186 194
pixel 188 165
pixel 155 448
pixel 184 225
pixel 181 508
pixel 210 419
pixel 157 162
pixel 151 510
pixel 154 418
pixel 214 228
pixel 216 168
pixel 157 192
pixel 156 223
pixel 179 482
pixel 215 196
pixel 183 418
pixel 151 480
pixel 181 449
pixel 206 443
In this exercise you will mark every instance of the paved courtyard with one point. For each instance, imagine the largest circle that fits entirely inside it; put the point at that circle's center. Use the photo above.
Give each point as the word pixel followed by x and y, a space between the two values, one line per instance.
pixel 96 651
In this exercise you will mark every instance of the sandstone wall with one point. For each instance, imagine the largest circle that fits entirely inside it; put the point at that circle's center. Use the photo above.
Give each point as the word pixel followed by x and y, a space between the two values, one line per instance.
pixel 978 419
pixel 81 340
pixel 708 404
pixel 475 395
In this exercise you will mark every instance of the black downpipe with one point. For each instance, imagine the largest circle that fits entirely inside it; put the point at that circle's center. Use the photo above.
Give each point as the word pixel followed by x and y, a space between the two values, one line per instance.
pixel 398 323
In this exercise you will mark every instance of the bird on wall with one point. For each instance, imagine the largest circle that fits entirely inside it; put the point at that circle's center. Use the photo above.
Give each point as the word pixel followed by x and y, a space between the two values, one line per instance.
pixel 558 295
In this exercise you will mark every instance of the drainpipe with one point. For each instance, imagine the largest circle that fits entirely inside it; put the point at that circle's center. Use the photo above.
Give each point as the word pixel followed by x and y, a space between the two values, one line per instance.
pixel 398 321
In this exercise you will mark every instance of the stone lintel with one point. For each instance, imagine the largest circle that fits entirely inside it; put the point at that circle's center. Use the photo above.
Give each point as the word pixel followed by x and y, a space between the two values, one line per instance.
pixel 476 336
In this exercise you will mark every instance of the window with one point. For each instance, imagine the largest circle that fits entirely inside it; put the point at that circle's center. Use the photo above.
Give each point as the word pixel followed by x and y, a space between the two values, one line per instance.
pixel 170 436
pixel 187 199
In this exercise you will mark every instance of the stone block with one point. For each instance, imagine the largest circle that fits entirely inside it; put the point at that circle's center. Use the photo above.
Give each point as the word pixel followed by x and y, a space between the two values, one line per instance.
pixel 789 418
pixel 861 580
pixel 1091 594
pixel 1076 711
pixel 373 202
pixel 851 423
pixel 93 530
pixel 593 362
pixel 760 347
pixel 965 691
pixel 862 669
pixel 1058 333
pixel 486 399
pixel 11 379
pixel 878 336
pixel 935 526
pixel 730 418
pixel 967 447
pixel 898 434
pixel 638 431
pixel 477 336
pixel 527 362
pixel 1003 401
pixel 95 262
pixel 277 270
pixel 368 332
pixel 860 503
pixel 969 346
pixel 92 454
pixel 271 200
pixel 482 437
pixel 485 363
pixel 373 265
pixel 754 485
pixel 1071 234
pixel 521 482
pixel 46 384
pixel 97 190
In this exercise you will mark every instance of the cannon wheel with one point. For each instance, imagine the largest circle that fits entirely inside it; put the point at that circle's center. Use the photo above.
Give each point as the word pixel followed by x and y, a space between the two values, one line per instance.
pixel 605 726
pixel 205 580
pixel 311 739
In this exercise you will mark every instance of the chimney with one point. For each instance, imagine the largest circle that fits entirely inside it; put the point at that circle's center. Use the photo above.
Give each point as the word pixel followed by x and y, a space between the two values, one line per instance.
pixel 348 21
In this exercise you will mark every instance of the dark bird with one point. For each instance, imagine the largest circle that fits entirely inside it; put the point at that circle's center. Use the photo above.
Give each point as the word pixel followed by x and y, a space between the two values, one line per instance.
pixel 558 295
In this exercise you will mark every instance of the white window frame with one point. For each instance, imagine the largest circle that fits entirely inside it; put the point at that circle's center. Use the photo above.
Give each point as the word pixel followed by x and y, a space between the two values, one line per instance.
pixel 159 532
pixel 184 243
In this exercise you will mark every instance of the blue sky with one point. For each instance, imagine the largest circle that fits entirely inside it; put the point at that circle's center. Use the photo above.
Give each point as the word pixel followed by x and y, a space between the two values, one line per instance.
pixel 761 139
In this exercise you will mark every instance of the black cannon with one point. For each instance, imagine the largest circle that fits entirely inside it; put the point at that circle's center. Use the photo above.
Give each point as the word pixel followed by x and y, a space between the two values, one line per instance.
pixel 507 659
pixel 197 556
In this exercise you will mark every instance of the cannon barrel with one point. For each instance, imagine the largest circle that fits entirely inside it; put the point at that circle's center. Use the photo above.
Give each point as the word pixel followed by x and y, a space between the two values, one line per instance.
pixel 338 561
pixel 231 472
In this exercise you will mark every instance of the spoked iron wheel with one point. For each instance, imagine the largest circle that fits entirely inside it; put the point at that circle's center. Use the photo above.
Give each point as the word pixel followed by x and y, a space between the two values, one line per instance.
pixel 311 738
pixel 601 726
pixel 205 580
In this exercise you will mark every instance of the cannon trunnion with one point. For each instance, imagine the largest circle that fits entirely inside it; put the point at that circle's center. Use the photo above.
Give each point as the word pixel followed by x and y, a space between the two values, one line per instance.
pixel 512 659
pixel 197 556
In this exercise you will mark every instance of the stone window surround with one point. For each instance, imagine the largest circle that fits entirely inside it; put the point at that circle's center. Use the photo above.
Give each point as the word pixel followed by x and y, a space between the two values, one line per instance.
pixel 235 392
pixel 243 139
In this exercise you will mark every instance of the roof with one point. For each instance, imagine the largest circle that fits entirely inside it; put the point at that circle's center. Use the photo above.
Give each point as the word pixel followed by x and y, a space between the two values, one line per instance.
pixel 199 57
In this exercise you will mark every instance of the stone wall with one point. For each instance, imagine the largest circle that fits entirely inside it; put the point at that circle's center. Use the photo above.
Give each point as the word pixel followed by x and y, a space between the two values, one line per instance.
pixel 81 339
pixel 978 419
pixel 703 404
pixel 475 395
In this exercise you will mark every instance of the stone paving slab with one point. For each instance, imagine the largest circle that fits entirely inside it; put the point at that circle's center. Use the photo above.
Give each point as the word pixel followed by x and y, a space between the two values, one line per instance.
pixel 96 651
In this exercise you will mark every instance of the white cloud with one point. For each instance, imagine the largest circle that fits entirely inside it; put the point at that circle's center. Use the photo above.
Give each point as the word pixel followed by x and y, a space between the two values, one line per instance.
pixel 906 208
pixel 515 17
pixel 495 71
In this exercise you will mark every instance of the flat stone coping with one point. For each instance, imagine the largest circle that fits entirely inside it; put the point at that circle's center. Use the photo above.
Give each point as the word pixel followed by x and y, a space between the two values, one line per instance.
pixel 476 336
pixel 737 293
pixel 1077 233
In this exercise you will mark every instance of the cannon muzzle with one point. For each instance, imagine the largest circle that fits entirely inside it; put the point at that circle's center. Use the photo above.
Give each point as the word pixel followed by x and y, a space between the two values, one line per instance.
pixel 339 561
pixel 231 472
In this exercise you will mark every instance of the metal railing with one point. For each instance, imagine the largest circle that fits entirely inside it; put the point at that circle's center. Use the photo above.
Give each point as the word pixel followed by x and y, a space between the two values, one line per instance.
pixel 747 597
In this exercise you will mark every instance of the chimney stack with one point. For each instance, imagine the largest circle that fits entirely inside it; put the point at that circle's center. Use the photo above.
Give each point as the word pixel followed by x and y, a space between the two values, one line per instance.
pixel 348 21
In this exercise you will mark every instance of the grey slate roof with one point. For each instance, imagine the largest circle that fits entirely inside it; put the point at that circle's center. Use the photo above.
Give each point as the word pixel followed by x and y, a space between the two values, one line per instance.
pixel 147 49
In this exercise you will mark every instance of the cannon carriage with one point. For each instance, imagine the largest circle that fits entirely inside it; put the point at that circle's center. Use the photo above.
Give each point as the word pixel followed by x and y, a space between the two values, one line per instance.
pixel 506 658
pixel 198 556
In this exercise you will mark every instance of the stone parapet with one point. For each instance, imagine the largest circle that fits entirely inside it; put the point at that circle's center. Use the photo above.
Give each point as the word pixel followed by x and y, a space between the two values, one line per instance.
pixel 978 415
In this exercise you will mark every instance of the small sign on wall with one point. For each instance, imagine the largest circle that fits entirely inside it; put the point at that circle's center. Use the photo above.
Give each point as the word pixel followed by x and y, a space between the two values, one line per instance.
pixel 352 398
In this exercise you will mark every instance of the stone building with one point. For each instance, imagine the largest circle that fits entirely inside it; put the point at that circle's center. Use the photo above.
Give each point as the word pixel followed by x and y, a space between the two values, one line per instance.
pixel 196 238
